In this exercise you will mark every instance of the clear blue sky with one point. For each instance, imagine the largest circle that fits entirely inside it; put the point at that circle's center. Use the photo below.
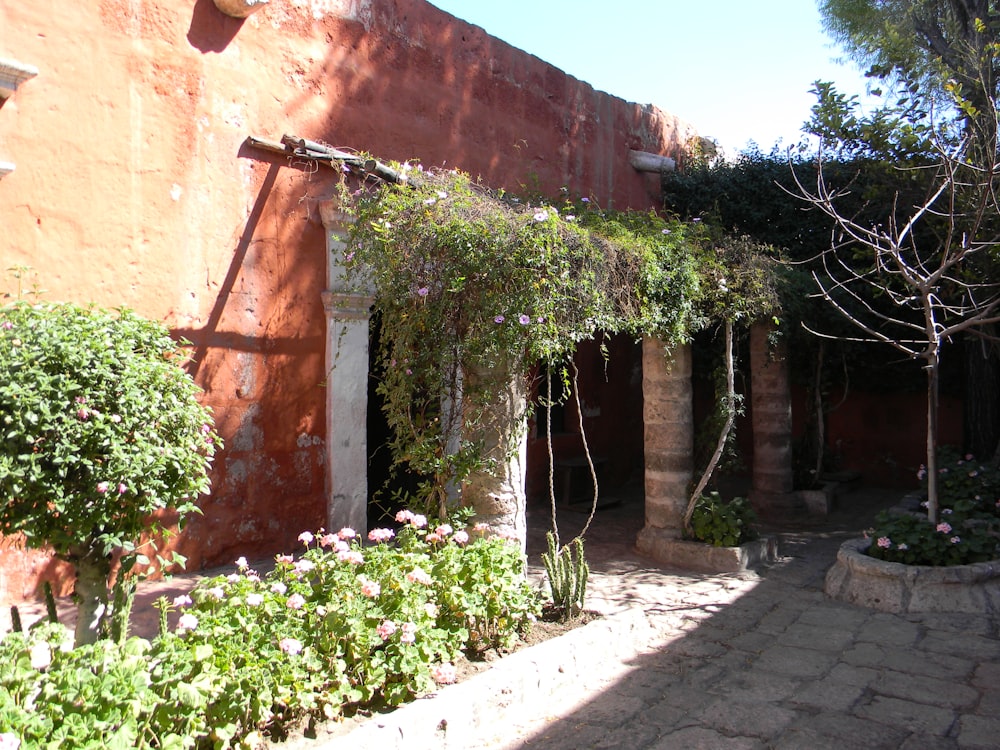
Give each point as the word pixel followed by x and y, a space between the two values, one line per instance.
pixel 738 70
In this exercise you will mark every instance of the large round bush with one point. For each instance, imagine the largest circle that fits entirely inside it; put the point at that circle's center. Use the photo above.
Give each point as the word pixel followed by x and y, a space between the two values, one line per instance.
pixel 100 428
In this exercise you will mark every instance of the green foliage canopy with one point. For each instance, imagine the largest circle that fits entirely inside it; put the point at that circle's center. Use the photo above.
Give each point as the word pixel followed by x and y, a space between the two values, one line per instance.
pixel 100 427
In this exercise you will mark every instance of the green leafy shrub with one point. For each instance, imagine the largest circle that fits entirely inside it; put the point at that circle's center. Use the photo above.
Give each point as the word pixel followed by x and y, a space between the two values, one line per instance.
pixel 723 524
pixel 100 430
pixel 963 479
pixel 341 626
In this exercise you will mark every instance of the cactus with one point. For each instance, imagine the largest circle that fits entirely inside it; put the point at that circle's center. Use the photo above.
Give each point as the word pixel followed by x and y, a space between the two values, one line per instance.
pixel 15 619
pixel 50 602
pixel 567 571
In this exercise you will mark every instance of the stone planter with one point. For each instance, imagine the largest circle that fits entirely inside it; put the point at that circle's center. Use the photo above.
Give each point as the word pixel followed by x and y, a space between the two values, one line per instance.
pixel 894 587
pixel 704 558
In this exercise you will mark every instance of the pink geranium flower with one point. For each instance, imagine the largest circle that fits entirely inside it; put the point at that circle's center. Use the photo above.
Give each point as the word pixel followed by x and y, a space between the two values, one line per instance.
pixel 352 556
pixel 186 622
pixel 409 632
pixel 444 674
pixel 419 575
pixel 381 535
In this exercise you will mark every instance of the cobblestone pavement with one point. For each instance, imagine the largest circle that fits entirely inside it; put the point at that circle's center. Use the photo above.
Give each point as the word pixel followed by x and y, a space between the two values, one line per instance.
pixel 750 660
pixel 766 660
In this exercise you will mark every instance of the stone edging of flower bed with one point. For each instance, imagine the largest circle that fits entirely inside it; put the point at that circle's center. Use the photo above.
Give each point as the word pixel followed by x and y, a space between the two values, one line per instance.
pixel 457 715
pixel 893 587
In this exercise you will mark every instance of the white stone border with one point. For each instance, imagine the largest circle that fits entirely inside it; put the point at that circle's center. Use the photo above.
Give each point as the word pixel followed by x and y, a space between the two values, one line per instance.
pixel 456 716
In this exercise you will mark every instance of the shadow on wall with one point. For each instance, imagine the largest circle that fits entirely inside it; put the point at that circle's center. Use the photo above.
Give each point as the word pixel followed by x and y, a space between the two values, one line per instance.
pixel 406 82
pixel 211 30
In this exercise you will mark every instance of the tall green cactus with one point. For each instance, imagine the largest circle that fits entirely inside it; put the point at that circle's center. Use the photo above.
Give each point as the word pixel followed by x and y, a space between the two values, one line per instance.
pixel 567 571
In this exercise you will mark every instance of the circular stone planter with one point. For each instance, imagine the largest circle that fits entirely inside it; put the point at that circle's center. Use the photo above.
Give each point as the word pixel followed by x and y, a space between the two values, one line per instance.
pixel 894 587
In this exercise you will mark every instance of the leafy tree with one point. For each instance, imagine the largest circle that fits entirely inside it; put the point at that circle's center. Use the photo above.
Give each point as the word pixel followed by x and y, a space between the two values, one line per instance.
pixel 100 431
pixel 940 58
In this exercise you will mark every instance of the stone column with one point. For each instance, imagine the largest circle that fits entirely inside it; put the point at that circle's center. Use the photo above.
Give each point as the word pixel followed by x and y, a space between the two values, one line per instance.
pixel 669 444
pixel 772 421
pixel 347 317
pixel 497 493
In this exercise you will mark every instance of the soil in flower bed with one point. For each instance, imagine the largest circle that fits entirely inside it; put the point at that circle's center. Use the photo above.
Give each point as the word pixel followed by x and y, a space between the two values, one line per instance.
pixel 548 626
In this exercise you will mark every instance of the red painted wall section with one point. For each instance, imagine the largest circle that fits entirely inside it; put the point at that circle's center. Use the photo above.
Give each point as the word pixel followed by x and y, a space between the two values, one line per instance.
pixel 133 187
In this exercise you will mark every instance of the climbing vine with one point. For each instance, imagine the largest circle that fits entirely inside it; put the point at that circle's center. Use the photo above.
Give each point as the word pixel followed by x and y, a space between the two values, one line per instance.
pixel 469 280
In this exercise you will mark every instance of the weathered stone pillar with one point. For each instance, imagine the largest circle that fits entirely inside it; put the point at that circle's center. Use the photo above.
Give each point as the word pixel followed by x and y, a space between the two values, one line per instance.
pixel 497 493
pixel 347 316
pixel 669 443
pixel 772 421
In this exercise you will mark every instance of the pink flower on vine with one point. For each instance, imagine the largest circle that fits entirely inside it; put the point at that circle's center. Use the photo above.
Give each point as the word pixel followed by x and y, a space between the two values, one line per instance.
pixel 499 319
pixel 524 319
pixel 944 527
pixel 955 539
pixel 884 542
pixel 422 291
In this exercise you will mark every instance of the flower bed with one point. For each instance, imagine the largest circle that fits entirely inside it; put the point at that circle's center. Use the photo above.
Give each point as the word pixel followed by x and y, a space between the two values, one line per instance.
pixel 339 627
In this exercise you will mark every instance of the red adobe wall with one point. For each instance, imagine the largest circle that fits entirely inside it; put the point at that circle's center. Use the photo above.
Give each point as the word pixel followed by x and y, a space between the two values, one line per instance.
pixel 133 187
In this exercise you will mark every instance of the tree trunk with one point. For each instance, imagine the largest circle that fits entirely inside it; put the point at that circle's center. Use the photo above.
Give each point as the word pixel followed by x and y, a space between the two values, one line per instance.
pixel 730 401
pixel 933 365
pixel 92 571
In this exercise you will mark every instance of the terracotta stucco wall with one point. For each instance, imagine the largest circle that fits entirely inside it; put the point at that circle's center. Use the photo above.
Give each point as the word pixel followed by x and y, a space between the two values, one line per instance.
pixel 133 187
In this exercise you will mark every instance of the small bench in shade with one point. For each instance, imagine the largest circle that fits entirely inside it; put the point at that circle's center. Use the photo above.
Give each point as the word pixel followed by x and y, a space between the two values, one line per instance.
pixel 576 469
